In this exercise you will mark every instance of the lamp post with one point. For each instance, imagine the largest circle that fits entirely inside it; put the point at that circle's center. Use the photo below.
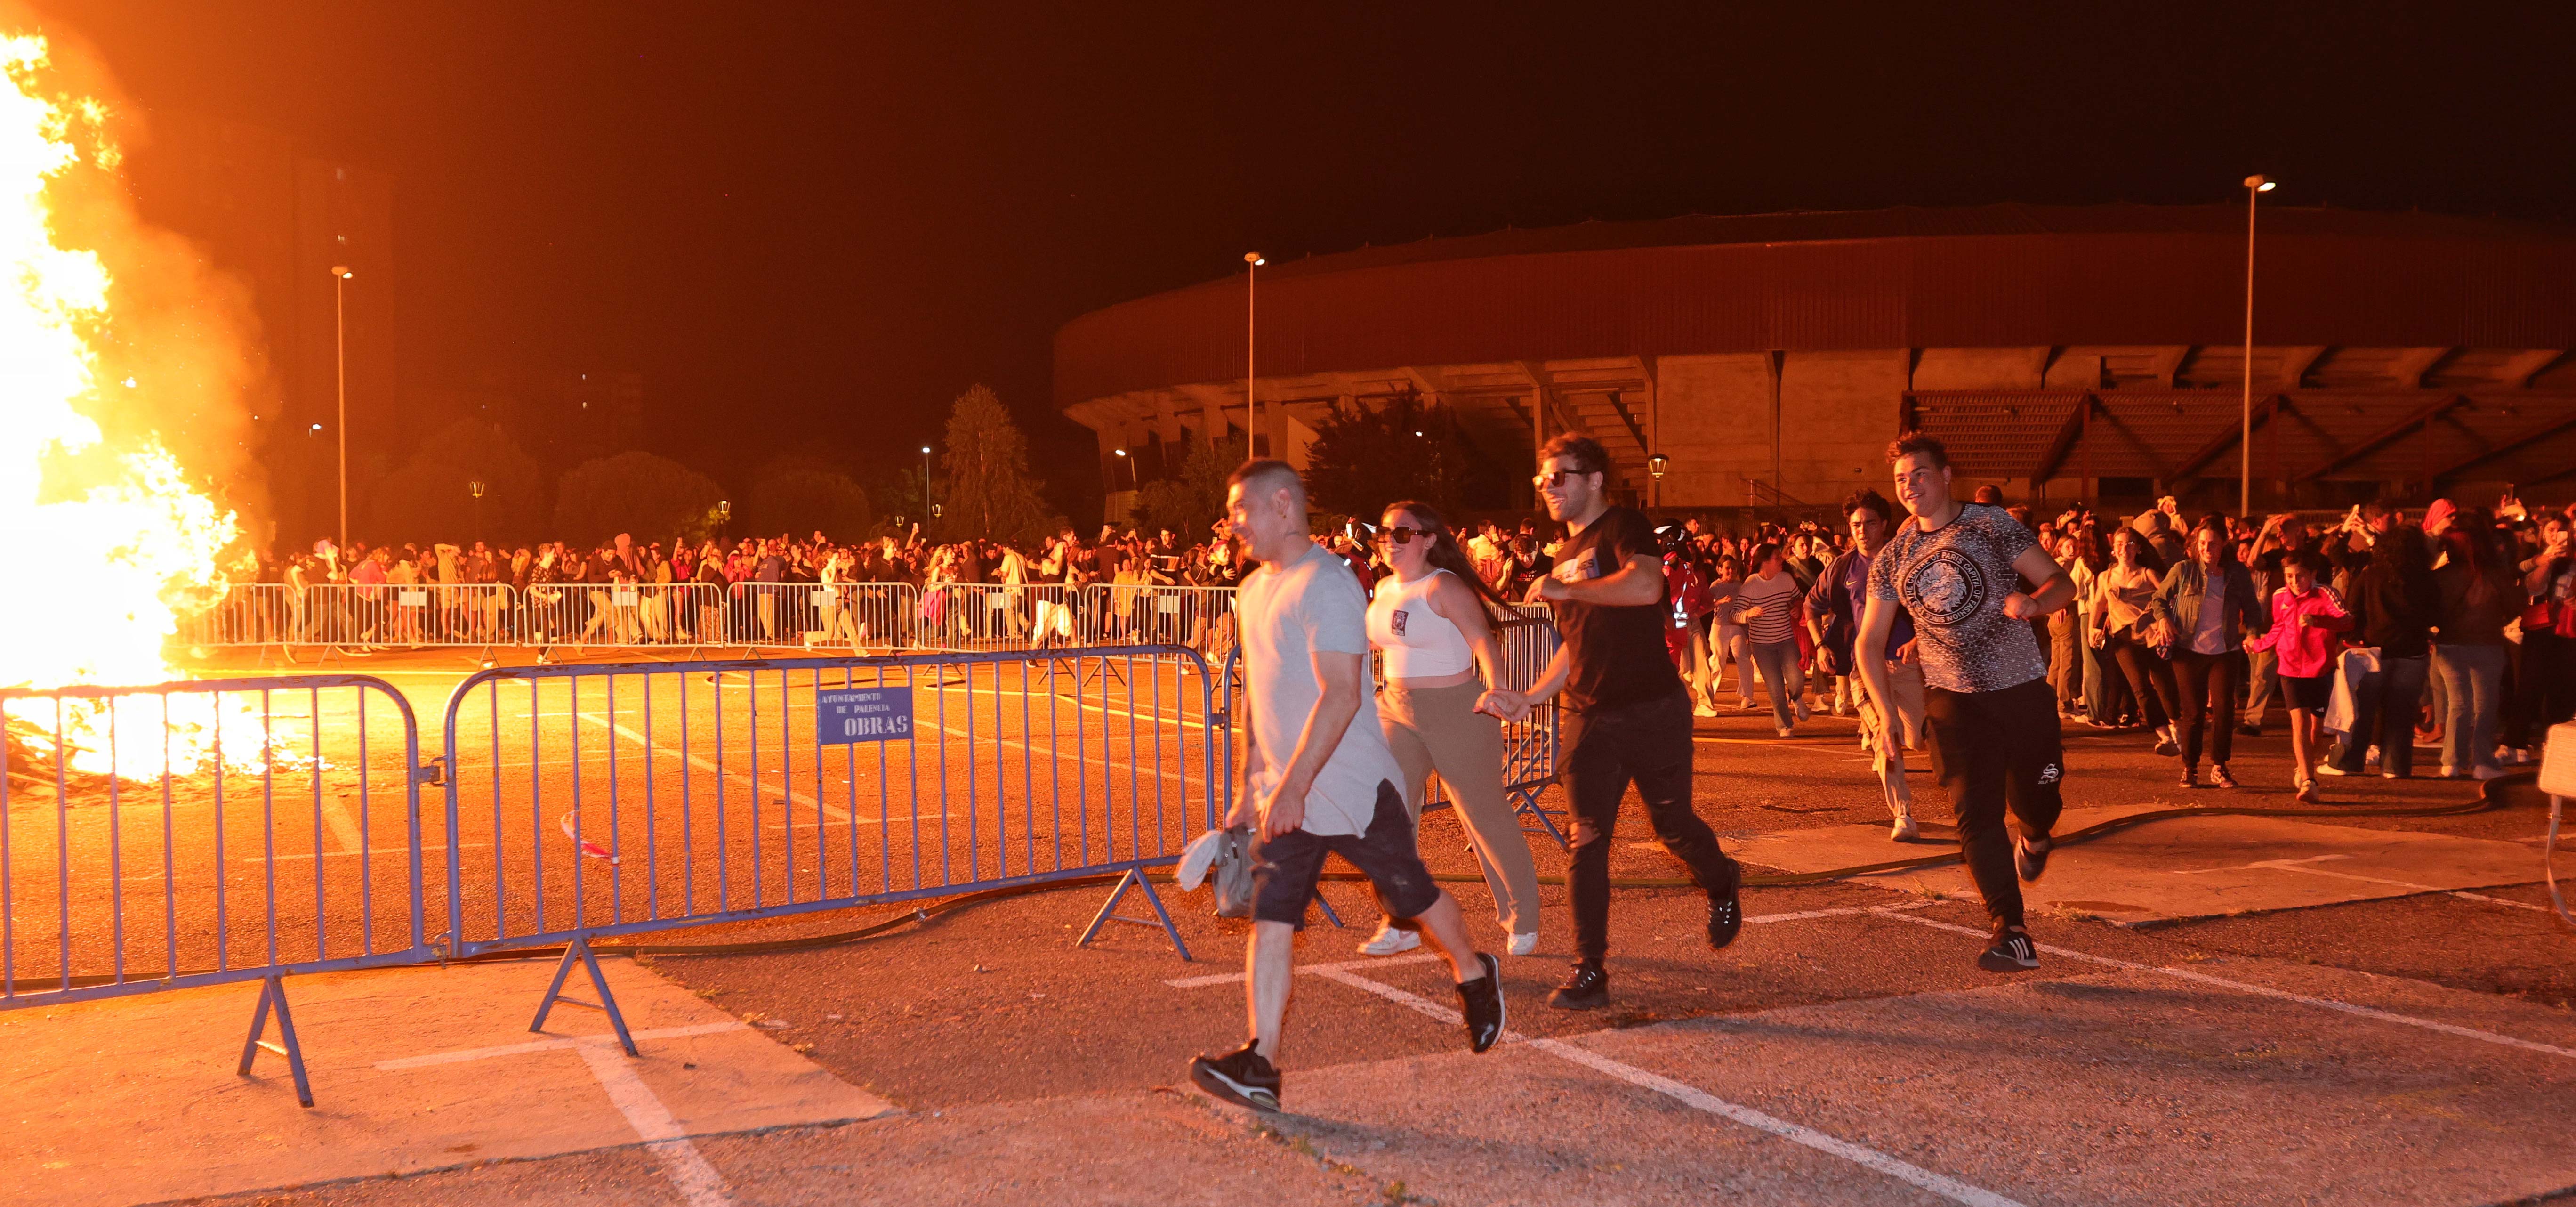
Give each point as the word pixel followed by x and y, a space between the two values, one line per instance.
pixel 926 504
pixel 2255 186
pixel 724 517
pixel 1132 482
pixel 1251 406
pixel 340 275
pixel 475 488
pixel 1655 467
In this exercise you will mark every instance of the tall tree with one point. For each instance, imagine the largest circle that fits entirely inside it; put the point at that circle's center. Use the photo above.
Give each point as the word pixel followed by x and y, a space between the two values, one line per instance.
pixel 989 492
pixel 1190 501
pixel 431 496
pixel 799 494
pixel 649 496
pixel 1364 459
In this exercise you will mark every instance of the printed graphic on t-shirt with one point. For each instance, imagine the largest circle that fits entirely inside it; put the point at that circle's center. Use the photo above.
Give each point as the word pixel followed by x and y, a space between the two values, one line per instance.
pixel 1578 568
pixel 1396 622
pixel 1952 582
pixel 1945 587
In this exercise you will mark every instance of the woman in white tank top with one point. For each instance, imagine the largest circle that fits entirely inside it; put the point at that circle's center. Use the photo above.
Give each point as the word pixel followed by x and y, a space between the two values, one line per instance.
pixel 1430 624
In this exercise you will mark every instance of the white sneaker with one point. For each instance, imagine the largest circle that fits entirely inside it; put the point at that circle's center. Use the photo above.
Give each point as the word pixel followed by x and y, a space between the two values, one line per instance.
pixel 2484 772
pixel 1703 710
pixel 1903 830
pixel 1390 940
pixel 1785 731
pixel 1525 944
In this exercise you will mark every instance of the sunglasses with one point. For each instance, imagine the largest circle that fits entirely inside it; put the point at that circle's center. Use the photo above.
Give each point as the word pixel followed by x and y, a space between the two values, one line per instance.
pixel 1399 534
pixel 1546 480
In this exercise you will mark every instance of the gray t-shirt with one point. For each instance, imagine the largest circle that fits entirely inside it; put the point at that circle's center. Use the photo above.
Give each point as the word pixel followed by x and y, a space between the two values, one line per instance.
pixel 1287 612
pixel 1953 583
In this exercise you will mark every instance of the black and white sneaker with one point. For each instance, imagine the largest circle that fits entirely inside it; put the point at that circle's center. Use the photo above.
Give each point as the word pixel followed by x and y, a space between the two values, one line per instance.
pixel 1481 1000
pixel 2012 952
pixel 1586 988
pixel 1241 1077
pixel 1726 909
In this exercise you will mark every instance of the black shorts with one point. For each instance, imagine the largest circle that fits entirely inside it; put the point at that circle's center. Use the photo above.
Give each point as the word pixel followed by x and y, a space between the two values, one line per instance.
pixel 1285 869
pixel 2311 692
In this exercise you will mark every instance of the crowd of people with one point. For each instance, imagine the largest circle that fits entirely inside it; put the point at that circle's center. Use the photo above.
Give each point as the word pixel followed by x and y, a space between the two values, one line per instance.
pixel 1957 625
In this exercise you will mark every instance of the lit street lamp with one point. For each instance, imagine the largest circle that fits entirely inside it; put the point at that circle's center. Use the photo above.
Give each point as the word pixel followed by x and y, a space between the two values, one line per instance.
pixel 1655 467
pixel 926 504
pixel 1251 407
pixel 1132 483
pixel 340 275
pixel 475 488
pixel 2255 186
pixel 724 517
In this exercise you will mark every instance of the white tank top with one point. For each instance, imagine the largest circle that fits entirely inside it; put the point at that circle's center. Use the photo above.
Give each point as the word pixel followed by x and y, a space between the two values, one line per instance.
pixel 1418 642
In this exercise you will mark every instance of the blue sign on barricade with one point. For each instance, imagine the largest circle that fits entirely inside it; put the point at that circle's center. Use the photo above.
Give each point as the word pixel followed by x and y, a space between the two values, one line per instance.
pixel 862 714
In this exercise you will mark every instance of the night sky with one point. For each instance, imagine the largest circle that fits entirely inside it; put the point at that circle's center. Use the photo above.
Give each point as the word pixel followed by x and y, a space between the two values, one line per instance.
pixel 829 219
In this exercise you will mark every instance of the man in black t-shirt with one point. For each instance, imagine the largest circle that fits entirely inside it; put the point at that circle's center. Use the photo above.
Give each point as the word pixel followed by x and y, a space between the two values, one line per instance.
pixel 1628 717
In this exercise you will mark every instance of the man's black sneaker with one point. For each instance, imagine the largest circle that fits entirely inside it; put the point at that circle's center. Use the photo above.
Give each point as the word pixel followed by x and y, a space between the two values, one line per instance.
pixel 2012 952
pixel 1726 908
pixel 1241 1077
pixel 1586 988
pixel 2166 747
pixel 1481 1000
pixel 2031 863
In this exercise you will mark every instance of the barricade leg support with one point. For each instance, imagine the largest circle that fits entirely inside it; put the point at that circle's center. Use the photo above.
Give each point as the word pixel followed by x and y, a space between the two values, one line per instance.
pixel 272 992
pixel 1526 804
pixel 1329 915
pixel 579 949
pixel 1134 879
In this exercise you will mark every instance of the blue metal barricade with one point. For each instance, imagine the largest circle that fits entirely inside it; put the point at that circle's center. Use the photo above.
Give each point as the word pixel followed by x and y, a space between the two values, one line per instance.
pixel 245 614
pixel 592 801
pixel 204 833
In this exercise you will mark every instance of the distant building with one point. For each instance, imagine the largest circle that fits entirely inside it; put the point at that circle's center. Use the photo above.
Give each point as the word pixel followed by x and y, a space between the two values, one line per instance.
pixel 2062 351
pixel 279 216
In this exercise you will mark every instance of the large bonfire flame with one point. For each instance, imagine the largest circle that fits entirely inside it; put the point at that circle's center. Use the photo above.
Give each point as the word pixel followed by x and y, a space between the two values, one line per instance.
pixel 107 517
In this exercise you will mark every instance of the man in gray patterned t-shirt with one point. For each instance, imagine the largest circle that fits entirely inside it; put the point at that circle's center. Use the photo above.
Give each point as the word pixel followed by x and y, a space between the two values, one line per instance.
pixel 1956 569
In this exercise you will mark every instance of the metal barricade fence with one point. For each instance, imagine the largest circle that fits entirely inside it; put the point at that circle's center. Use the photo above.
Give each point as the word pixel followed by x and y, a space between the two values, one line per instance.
pixel 969 617
pixel 590 801
pixel 413 614
pixel 1201 618
pixel 205 833
pixel 605 615
pixel 246 614
pixel 855 616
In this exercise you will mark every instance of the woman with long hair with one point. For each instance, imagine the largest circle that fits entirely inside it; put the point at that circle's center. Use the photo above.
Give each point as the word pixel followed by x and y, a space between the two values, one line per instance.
pixel 1726 635
pixel 2478 591
pixel 1432 623
pixel 2124 627
pixel 2207 602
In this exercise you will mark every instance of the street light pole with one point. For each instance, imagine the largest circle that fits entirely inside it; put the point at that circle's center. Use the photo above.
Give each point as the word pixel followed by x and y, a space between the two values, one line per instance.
pixel 925 482
pixel 340 275
pixel 1251 405
pixel 475 488
pixel 2255 186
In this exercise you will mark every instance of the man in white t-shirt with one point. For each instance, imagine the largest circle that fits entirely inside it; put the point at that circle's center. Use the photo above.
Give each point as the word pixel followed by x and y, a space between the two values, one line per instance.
pixel 1318 778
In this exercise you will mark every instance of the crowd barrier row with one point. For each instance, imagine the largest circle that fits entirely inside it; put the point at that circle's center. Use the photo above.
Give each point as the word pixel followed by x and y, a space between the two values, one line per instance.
pixel 254 829
pixel 958 617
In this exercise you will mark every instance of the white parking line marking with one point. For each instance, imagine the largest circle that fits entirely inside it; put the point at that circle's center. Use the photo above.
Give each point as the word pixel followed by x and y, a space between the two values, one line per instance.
pixel 1698 1099
pixel 704 764
pixel 343 826
pixel 698 1182
pixel 2404 1020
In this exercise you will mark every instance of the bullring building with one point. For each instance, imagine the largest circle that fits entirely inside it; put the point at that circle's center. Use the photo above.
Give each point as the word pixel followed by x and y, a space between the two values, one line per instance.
pixel 2090 352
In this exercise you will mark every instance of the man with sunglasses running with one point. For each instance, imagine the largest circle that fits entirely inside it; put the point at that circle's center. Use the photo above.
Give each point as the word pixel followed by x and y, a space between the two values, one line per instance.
pixel 1628 717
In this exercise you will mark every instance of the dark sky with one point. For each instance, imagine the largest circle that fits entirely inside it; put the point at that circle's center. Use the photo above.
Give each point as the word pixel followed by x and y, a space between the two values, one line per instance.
pixel 813 224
